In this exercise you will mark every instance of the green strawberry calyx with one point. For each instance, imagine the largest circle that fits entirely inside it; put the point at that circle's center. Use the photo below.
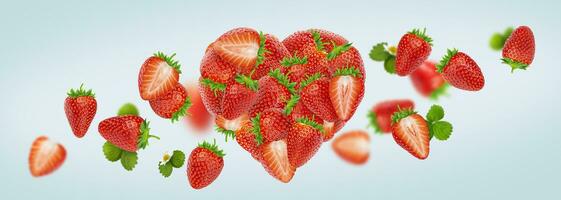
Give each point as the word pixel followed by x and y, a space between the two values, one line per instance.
pixel 80 92
pixel 262 50
pixel 440 91
pixel 256 129
pixel 291 103
pixel 212 147
pixel 313 124
pixel 310 79
pixel 320 45
pixel 247 81
pixel 182 111
pixel 373 122
pixel 169 60
pixel 422 34
pixel 145 135
pixel 294 60
pixel 283 80
pixel 348 71
pixel 445 60
pixel 338 50
pixel 227 133
pixel 514 64
pixel 402 113
pixel 214 86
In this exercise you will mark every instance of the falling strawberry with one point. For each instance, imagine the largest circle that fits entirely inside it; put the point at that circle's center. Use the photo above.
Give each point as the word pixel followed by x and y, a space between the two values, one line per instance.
pixel 158 75
pixel 316 97
pixel 270 125
pixel 45 156
pixel 240 47
pixel 380 116
pixel 276 162
pixel 461 71
pixel 519 48
pixel 346 90
pixel 172 105
pixel 427 81
pixel 353 147
pixel 80 107
pixel 204 165
pixel 274 91
pixel 411 132
pixel 129 133
pixel 303 141
pixel 413 49
pixel 239 97
pixel 199 118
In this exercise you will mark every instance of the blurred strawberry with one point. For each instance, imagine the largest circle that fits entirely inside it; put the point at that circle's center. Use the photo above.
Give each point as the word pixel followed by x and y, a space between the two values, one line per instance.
pixel 380 116
pixel 198 118
pixel 428 81
pixel 353 147
pixel 45 156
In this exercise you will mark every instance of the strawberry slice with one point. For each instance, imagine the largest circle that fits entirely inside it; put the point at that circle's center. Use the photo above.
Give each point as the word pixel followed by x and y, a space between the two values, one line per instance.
pixel 275 161
pixel 45 156
pixel 411 132
pixel 158 75
pixel 353 147
pixel 238 47
pixel 346 90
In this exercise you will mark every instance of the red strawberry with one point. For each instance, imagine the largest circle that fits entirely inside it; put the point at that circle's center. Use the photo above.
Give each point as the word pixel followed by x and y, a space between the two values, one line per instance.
pixel 246 139
pixel 216 69
pixel 239 47
pixel 239 97
pixel 346 90
pixel 353 147
pixel 316 97
pixel 80 107
pixel 345 56
pixel 45 156
pixel 461 71
pixel 270 125
pixel 380 116
pixel 212 94
pixel 198 117
pixel 158 75
pixel 322 39
pixel 274 92
pixel 519 48
pixel 427 81
pixel 303 141
pixel 173 104
pixel 305 63
pixel 299 110
pixel 411 132
pixel 128 132
pixel 274 53
pixel 229 127
pixel 276 162
pixel 413 49
pixel 331 128
pixel 204 165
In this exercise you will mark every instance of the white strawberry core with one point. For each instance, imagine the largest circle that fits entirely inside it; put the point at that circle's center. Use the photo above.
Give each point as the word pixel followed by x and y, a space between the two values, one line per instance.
pixel 412 135
pixel 234 124
pixel 163 72
pixel 355 146
pixel 345 83
pixel 47 150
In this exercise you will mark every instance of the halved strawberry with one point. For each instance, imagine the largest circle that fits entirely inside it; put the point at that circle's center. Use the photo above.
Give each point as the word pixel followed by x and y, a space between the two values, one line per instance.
pixel 411 132
pixel 303 141
pixel 316 97
pixel 346 90
pixel 239 47
pixel 158 75
pixel 353 146
pixel 331 128
pixel 239 97
pixel 275 161
pixel 380 116
pixel 229 127
pixel 45 156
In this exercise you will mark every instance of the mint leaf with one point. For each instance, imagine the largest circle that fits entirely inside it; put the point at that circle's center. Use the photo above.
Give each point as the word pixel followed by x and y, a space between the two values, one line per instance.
pixel 111 152
pixel 379 53
pixel 129 160
pixel 389 65
pixel 166 169
pixel 435 113
pixel 441 130
pixel 177 159
pixel 128 109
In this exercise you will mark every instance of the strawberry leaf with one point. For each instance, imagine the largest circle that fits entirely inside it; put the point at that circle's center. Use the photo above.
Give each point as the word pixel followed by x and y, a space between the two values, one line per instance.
pixel 514 64
pixel 389 64
pixel 247 81
pixel 422 34
pixel 165 169
pixel 111 152
pixel 212 147
pixel 227 133
pixel 80 92
pixel 435 113
pixel 294 60
pixel 261 51
pixel 320 46
pixel 283 80
pixel 338 50
pixel 169 60
pixel 256 129
pixel 129 160
pixel 348 71
pixel 373 122
pixel 291 103
pixel 145 135
pixel 177 159
pixel 311 123
pixel 441 130
pixel 445 60
pixel 128 109
pixel 379 52
pixel 214 86
pixel 182 110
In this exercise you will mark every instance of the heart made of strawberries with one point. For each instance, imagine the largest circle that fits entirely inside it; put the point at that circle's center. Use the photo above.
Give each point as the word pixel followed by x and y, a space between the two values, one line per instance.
pixel 260 89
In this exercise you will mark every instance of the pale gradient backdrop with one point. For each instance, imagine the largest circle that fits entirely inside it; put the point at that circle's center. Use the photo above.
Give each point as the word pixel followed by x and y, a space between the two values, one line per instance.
pixel 505 143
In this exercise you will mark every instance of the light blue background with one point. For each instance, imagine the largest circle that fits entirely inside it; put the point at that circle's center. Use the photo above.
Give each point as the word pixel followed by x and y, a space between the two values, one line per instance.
pixel 505 143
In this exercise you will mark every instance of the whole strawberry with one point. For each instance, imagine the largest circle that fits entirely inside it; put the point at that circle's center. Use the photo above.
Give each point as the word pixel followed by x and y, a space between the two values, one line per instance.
pixel 212 94
pixel 129 133
pixel 173 104
pixel 461 71
pixel 324 40
pixel 80 107
pixel 204 165
pixel 274 91
pixel 519 48
pixel 303 141
pixel 239 97
pixel 270 125
pixel 316 97
pixel 413 49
